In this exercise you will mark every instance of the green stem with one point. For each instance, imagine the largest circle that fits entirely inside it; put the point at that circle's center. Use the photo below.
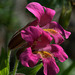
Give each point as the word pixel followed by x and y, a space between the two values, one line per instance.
pixel 8 58
pixel 15 66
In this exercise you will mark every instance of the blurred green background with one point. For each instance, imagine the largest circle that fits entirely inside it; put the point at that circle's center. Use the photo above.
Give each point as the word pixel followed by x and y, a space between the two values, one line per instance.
pixel 14 16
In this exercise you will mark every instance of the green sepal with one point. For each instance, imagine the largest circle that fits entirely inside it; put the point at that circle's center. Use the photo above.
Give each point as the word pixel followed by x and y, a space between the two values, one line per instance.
pixel 65 15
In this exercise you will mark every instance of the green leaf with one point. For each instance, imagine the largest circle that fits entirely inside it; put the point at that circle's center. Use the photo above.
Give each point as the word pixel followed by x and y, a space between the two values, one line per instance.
pixel 30 71
pixel 4 62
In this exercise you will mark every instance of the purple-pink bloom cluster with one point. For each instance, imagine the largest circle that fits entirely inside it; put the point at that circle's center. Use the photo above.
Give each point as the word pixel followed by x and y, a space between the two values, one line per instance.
pixel 39 35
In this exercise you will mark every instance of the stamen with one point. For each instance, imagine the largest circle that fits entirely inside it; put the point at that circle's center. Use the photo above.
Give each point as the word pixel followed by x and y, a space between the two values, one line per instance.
pixel 50 30
pixel 43 54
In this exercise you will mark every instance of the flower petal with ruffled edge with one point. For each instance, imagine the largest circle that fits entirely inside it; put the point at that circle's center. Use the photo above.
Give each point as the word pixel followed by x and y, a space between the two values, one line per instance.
pixel 50 66
pixel 30 34
pixel 54 25
pixel 36 36
pixel 57 32
pixel 28 59
pixel 56 35
pixel 43 17
pixel 36 9
pixel 57 51
pixel 47 17
pixel 43 41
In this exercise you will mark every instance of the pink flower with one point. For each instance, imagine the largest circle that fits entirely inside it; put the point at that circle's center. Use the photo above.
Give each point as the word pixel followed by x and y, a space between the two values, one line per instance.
pixel 44 18
pixel 40 48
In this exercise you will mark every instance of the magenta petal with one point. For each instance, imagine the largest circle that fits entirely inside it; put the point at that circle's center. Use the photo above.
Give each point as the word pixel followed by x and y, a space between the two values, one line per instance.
pixel 28 59
pixel 47 17
pixel 44 40
pixel 58 52
pixel 36 9
pixel 57 38
pixel 54 25
pixel 50 13
pixel 29 34
pixel 67 34
pixel 44 17
pixel 50 66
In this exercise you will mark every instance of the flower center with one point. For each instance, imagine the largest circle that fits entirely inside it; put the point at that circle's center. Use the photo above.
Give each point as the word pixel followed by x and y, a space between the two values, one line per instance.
pixel 50 30
pixel 43 54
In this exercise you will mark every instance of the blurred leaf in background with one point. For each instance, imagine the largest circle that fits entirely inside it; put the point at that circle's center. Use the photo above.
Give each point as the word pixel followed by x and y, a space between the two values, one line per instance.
pixel 65 14
pixel 4 62
pixel 5 11
pixel 6 14
pixel 8 21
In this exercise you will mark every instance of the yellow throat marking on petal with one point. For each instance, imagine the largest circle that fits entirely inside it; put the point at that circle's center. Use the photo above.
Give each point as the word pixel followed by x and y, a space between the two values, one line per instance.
pixel 50 30
pixel 43 54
